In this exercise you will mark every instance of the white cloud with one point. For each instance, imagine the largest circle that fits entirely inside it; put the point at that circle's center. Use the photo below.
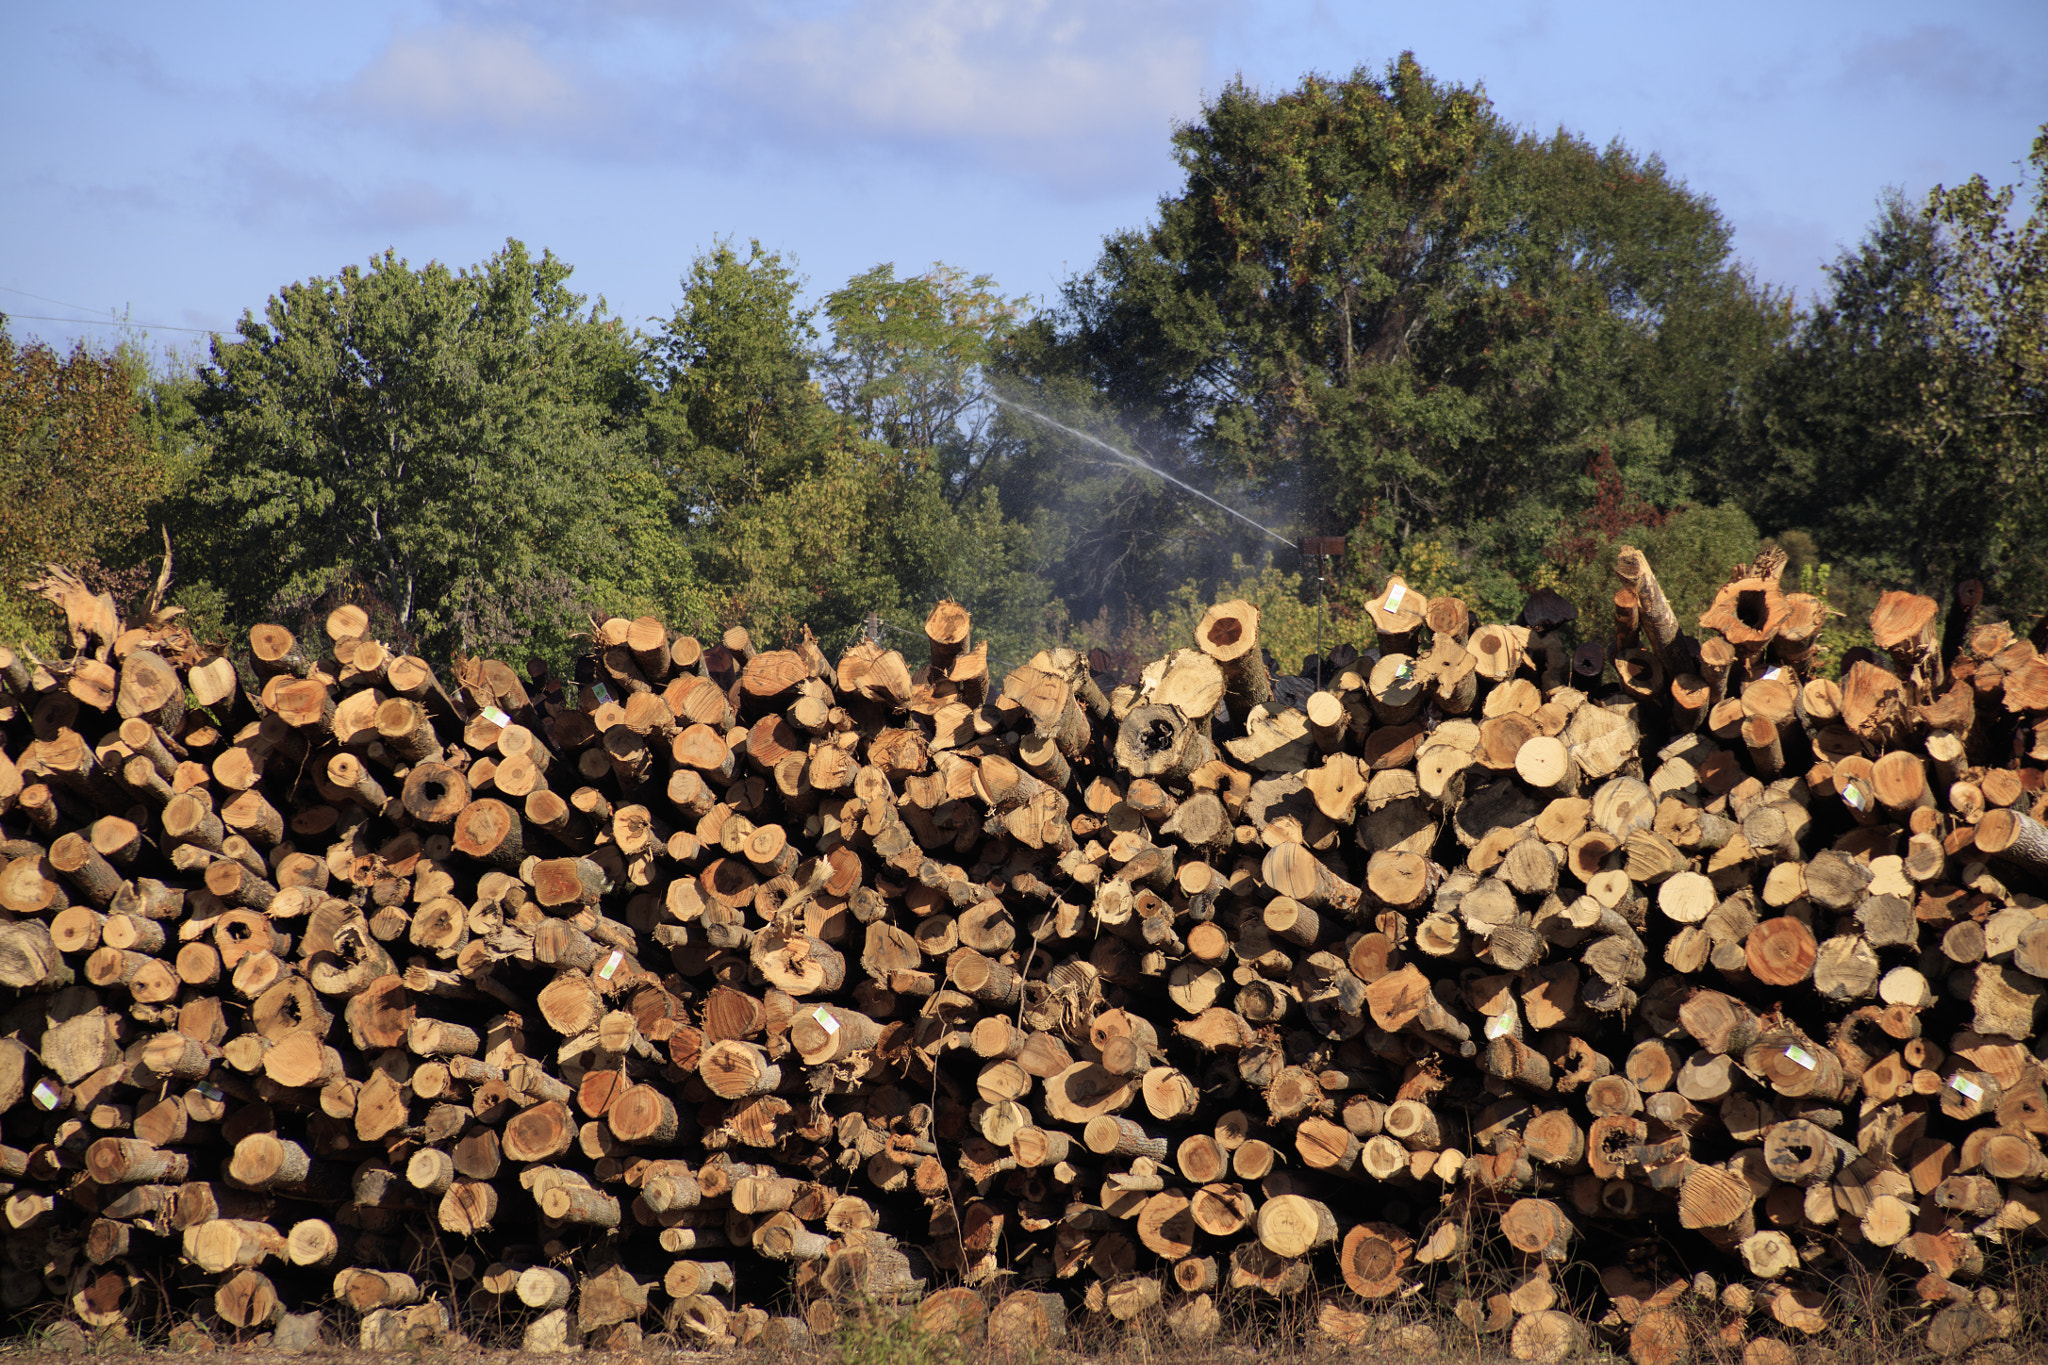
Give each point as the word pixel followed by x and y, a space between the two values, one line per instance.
pixel 270 193
pixel 460 78
pixel 1070 91
pixel 1939 61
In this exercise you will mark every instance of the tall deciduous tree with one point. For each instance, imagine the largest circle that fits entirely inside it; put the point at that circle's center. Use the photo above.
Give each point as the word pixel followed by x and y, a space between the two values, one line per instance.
pixel 449 437
pixel 1836 460
pixel 1375 307
pixel 808 503
pixel 76 470
pixel 1985 405
pixel 735 415
pixel 1906 425
pixel 906 357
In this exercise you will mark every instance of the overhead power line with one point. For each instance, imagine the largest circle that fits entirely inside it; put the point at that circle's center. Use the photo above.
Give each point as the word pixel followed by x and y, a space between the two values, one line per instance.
pixel 101 322
pixel 95 322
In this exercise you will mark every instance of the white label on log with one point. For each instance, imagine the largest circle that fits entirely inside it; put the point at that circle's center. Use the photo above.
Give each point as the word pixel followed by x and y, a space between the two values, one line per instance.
pixel 1770 673
pixel 208 1090
pixel 497 717
pixel 1967 1088
pixel 1801 1056
pixel 601 692
pixel 1394 595
pixel 611 964
pixel 47 1095
pixel 1852 796
pixel 825 1021
pixel 1500 1026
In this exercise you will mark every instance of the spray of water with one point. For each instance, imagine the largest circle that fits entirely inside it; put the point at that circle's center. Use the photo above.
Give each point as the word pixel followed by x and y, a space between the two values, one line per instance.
pixel 1137 463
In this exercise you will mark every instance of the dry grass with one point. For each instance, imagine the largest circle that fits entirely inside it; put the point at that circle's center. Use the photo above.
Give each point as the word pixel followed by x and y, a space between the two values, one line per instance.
pixel 1876 1321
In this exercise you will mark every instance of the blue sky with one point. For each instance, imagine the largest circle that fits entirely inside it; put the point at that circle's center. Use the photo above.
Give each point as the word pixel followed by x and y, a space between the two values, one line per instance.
pixel 182 162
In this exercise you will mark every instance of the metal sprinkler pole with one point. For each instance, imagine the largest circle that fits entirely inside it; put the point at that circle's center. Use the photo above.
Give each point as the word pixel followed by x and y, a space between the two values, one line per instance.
pixel 1321 549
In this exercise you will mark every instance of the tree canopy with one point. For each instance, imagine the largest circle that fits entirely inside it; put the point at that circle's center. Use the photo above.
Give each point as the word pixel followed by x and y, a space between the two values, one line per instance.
pixel 78 472
pixel 1374 308
pixel 1371 308
pixel 448 438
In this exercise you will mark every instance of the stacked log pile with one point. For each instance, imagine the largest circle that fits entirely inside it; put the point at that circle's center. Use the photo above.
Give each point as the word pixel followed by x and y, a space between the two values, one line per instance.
pixel 1630 988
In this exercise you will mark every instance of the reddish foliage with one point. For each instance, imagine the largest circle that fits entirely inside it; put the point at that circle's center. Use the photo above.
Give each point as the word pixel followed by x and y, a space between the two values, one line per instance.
pixel 1614 510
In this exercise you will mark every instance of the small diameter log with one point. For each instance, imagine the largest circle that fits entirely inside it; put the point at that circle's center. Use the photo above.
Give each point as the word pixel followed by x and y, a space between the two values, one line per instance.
pixel 265 1161
pixel 1114 1135
pixel 828 1033
pixel 129 1161
pixel 1658 622
pixel 74 857
pixel 583 1207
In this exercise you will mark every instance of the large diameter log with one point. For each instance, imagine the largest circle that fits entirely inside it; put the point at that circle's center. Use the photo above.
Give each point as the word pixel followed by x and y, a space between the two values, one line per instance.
pixel 642 1114
pixel 1295 872
pixel 1374 1259
pixel 1159 742
pixel 490 832
pixel 1294 1225
pixel 733 1069
pixel 539 1133
pixel 219 1245
pixel 827 1033
pixel 1027 1325
pixel 1549 1337
pixel 1537 1227
pixel 248 1299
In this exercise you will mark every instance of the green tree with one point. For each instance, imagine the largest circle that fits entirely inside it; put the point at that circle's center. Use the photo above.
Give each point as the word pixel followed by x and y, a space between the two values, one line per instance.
pixel 77 468
pixel 1375 308
pixel 1904 427
pixel 906 357
pixel 448 439
pixel 1836 461
pixel 735 415
pixel 1984 406
pixel 807 503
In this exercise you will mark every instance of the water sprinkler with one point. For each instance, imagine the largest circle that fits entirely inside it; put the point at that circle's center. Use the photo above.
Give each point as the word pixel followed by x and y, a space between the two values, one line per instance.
pixel 1319 553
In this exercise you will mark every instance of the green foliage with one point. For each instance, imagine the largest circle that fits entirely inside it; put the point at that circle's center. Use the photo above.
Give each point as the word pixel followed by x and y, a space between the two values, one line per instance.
pixel 441 437
pixel 77 470
pixel 1692 553
pixel 735 416
pixel 1984 406
pixel 882 1334
pixel 1290 625
pixel 906 357
pixel 1375 309
pixel 807 504
pixel 1904 427
pixel 1836 461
